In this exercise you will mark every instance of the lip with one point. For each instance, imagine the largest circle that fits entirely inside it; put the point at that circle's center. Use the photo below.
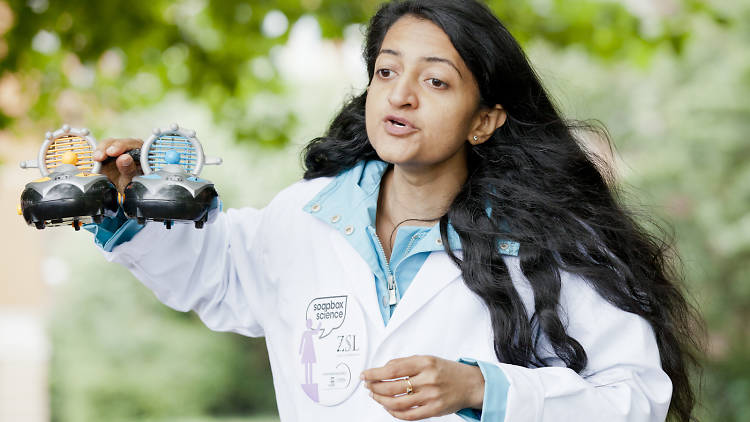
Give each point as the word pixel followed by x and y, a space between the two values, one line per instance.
pixel 404 128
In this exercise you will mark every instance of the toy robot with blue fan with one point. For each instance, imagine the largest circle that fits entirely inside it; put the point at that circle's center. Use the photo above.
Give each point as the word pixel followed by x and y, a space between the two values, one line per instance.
pixel 170 190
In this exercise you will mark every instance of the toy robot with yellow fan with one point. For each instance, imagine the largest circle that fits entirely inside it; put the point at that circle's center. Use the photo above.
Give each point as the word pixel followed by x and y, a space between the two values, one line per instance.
pixel 70 190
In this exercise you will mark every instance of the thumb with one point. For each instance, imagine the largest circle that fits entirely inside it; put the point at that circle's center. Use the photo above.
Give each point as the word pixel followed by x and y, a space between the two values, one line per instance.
pixel 126 166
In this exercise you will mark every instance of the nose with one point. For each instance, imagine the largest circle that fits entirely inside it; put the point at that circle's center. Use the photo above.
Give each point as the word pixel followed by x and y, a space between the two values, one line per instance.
pixel 403 94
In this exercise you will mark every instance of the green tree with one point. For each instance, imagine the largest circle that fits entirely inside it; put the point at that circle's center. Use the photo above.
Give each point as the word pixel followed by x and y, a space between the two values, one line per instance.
pixel 121 54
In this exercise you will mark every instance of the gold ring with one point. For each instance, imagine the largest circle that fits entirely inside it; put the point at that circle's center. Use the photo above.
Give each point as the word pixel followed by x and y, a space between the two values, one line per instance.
pixel 409 387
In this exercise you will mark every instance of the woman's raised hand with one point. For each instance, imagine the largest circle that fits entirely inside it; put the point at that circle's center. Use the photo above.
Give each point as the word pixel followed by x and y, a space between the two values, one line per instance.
pixel 438 387
pixel 123 168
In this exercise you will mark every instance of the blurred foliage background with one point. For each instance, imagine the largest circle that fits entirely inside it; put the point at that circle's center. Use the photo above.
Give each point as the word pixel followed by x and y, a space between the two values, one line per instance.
pixel 670 79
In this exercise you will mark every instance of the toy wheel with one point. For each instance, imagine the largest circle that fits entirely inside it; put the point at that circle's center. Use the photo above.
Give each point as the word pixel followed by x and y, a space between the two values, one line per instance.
pixel 199 224
pixel 39 225
pixel 168 224
pixel 77 224
pixel 141 220
pixel 97 219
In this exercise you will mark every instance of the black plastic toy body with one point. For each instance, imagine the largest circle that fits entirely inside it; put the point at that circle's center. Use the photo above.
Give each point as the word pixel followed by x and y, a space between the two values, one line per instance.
pixel 70 190
pixel 169 190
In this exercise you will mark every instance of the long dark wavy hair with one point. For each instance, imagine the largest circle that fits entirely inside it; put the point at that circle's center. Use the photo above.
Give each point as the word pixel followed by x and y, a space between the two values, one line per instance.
pixel 545 191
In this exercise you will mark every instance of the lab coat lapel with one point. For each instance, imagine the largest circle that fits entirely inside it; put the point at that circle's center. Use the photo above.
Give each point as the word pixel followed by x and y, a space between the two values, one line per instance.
pixel 359 277
pixel 436 273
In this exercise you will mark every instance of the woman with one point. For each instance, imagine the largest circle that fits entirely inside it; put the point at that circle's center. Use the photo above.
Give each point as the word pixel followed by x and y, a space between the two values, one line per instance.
pixel 532 294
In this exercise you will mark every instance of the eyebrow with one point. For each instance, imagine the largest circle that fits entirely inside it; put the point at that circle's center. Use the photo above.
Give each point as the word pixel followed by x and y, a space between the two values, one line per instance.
pixel 431 59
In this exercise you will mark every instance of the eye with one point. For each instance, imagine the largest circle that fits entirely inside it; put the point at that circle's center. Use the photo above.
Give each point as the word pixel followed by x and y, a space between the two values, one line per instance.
pixel 437 83
pixel 384 73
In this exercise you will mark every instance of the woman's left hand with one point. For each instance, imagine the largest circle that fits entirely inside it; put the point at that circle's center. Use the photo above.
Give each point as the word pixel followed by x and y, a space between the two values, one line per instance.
pixel 439 387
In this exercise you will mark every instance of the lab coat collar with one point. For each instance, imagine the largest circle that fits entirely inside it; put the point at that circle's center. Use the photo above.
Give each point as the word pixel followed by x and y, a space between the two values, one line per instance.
pixel 350 200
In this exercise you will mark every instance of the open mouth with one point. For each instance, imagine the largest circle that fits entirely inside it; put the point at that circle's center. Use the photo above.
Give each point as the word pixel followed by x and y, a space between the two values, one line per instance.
pixel 398 126
pixel 398 121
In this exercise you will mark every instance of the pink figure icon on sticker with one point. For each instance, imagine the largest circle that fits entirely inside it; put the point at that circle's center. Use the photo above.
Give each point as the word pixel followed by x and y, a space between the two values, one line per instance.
pixel 307 350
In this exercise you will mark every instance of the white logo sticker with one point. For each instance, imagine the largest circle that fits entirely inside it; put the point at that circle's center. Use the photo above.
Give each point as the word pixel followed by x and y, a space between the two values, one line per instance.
pixel 333 349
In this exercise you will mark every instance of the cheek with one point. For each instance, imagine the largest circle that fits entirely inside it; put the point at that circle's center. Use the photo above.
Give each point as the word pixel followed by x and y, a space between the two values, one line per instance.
pixel 452 121
pixel 369 105
pixel 371 112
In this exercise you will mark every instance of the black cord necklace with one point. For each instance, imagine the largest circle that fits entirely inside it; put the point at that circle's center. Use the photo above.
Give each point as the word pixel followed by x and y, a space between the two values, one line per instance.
pixel 390 238
pixel 395 227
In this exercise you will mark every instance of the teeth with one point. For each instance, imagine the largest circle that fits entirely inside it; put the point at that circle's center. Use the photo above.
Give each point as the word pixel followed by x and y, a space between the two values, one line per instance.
pixel 397 123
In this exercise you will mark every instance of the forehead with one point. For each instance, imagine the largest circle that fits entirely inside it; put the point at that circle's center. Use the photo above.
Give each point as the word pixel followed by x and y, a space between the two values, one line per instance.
pixel 416 37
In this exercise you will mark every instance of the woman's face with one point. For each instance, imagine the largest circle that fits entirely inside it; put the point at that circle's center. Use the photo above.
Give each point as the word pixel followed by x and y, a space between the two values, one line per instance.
pixel 422 101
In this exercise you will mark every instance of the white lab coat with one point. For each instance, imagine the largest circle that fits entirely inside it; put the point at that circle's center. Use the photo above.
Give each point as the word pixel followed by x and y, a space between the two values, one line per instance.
pixel 254 272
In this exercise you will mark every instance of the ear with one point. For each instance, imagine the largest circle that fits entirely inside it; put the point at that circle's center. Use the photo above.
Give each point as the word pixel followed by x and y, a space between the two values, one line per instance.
pixel 487 120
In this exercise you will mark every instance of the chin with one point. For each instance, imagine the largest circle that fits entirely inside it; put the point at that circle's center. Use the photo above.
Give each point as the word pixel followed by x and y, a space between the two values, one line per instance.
pixel 395 151
pixel 393 157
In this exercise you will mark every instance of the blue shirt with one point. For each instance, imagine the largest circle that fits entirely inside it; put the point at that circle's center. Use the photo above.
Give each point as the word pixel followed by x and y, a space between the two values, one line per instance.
pixel 350 200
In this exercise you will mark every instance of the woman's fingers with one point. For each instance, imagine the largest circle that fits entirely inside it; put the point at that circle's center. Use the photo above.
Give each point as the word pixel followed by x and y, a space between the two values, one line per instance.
pixel 115 147
pixel 403 402
pixel 122 168
pixel 410 407
pixel 397 368
pixel 126 165
pixel 416 413
pixel 393 388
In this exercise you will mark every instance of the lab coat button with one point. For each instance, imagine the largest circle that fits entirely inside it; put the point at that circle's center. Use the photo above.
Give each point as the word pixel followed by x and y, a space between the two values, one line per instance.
pixel 315 208
pixel 335 219
pixel 349 230
pixel 439 241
